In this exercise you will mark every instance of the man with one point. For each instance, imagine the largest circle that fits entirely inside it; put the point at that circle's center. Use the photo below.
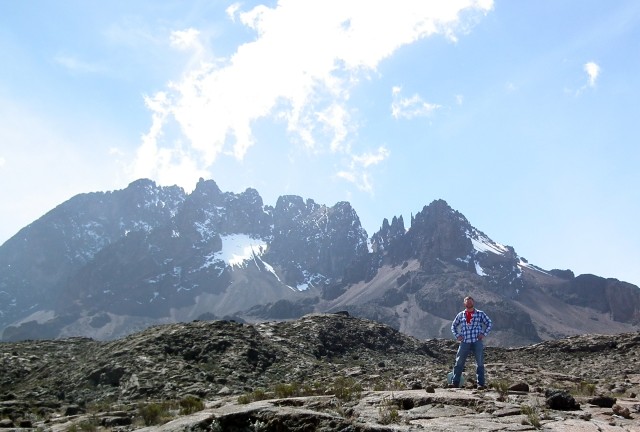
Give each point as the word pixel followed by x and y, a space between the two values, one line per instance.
pixel 470 327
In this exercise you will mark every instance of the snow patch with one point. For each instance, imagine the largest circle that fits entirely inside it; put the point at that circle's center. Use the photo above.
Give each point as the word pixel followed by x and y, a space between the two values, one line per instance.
pixel 236 250
pixel 479 269
pixel 522 263
pixel 482 243
pixel 270 269
pixel 240 249
pixel 369 245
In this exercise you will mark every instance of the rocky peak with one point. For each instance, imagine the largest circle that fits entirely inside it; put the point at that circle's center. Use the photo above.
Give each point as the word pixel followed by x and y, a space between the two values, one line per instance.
pixel 207 188
pixel 138 202
pixel 105 264
pixel 309 238
pixel 387 234
pixel 208 213
pixel 47 251
pixel 438 233
pixel 247 214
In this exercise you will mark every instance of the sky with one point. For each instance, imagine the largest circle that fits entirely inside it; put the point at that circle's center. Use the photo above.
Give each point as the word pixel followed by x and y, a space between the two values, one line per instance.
pixel 522 115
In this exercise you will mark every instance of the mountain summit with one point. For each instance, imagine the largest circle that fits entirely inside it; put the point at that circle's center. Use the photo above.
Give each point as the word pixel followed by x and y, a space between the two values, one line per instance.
pixel 107 264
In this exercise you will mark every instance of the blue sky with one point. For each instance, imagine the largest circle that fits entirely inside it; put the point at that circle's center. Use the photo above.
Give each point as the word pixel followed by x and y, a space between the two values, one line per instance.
pixel 522 115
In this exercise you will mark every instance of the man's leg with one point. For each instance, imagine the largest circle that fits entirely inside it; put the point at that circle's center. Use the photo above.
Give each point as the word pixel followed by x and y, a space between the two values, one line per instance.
pixel 478 352
pixel 461 358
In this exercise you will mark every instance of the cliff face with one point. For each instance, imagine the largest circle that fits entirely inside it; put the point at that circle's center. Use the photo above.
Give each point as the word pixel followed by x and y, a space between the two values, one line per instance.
pixel 104 265
pixel 43 255
pixel 415 280
pixel 610 296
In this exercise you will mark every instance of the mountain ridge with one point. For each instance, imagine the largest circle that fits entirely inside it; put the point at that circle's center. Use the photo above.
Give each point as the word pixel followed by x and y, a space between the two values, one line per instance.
pixel 106 264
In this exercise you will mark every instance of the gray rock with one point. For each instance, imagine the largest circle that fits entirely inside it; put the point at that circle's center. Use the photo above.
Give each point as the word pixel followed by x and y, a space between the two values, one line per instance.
pixel 602 401
pixel 111 421
pixel 521 387
pixel 561 400
pixel 70 410
pixel 270 375
pixel 621 411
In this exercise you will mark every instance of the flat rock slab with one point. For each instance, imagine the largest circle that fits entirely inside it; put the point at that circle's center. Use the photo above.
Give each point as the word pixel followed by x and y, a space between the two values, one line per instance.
pixel 445 410
pixel 470 423
pixel 574 425
pixel 506 412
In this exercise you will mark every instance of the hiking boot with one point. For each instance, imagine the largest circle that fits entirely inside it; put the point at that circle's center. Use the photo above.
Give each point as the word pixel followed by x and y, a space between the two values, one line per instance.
pixel 453 385
pixel 481 387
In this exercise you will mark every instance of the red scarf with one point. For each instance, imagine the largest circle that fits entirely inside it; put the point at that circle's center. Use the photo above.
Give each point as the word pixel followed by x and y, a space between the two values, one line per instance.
pixel 468 315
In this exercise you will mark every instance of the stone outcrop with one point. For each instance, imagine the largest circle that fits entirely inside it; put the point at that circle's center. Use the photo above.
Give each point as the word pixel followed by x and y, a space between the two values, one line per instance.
pixel 320 372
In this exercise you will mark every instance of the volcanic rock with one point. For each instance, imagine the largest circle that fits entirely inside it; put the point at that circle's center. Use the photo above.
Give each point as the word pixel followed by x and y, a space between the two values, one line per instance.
pixel 318 372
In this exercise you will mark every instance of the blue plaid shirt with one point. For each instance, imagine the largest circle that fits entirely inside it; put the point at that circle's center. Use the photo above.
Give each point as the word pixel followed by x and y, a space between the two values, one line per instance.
pixel 470 332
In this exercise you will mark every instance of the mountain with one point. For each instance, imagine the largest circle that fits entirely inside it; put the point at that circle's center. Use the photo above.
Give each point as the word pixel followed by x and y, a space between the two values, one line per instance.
pixel 107 264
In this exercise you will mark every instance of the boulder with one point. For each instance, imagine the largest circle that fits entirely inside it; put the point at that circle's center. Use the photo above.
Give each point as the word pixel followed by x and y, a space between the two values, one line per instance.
pixel 561 400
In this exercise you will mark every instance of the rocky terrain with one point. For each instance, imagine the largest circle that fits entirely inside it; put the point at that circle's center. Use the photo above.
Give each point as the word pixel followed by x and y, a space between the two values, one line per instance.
pixel 319 372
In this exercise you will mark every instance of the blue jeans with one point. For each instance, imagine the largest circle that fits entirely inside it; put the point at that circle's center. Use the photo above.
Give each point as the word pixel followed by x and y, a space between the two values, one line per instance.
pixel 461 357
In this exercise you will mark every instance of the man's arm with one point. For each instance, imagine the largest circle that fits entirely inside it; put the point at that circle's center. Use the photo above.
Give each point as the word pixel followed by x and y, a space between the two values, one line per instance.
pixel 454 326
pixel 487 324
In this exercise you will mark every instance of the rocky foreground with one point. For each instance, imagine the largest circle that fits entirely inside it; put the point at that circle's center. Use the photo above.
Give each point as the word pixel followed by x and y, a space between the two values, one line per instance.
pixel 318 373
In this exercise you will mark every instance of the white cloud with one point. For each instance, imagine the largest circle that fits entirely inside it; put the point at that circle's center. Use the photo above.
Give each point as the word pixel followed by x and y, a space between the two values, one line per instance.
pixel 232 10
pixel 168 165
pixel 357 173
pixel 336 120
pixel 368 159
pixel 301 69
pixel 76 65
pixel 593 71
pixel 411 107
pixel 185 39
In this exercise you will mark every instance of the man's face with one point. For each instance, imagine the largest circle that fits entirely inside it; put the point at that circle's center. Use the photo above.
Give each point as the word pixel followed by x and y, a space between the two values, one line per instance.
pixel 468 303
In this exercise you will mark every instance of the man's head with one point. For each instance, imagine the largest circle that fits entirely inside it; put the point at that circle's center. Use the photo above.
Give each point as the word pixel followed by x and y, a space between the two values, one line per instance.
pixel 468 302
